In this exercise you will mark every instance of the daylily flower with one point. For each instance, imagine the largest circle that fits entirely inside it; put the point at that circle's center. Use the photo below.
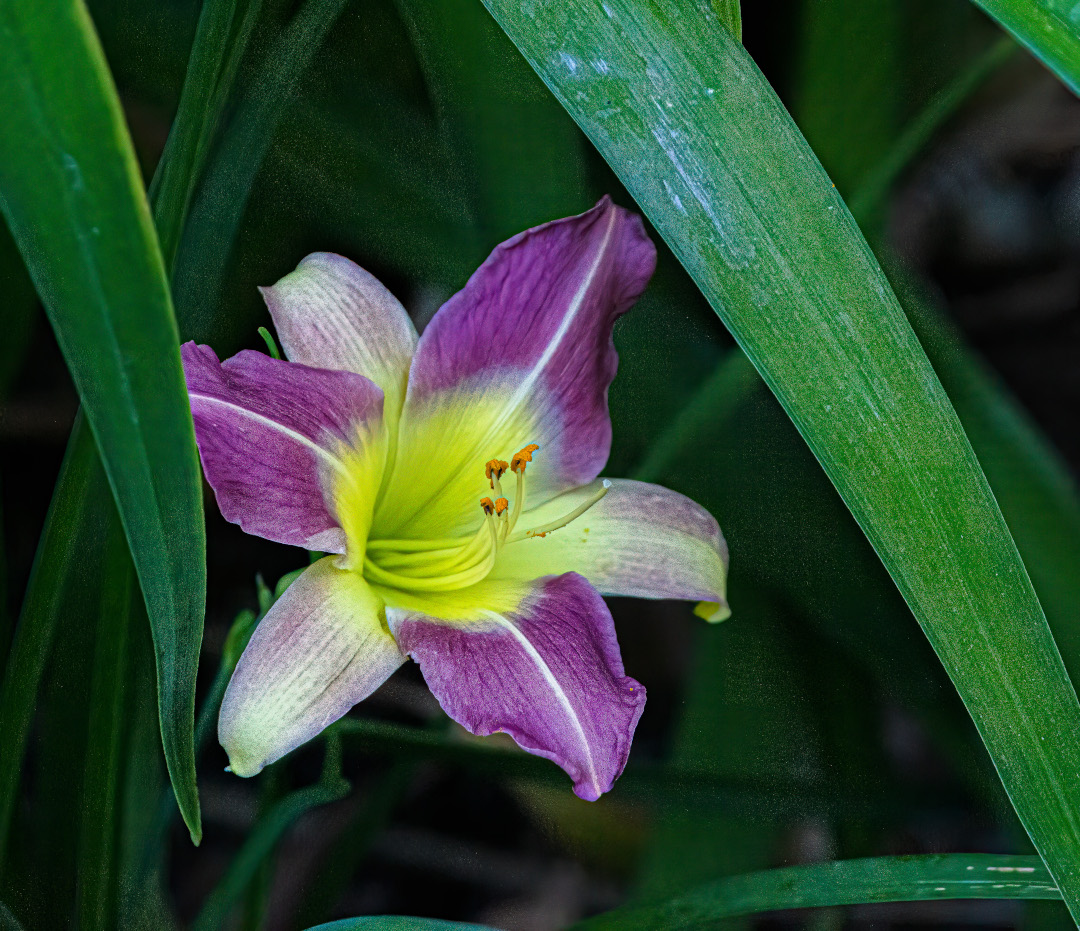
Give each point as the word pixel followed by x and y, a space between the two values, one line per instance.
pixel 453 478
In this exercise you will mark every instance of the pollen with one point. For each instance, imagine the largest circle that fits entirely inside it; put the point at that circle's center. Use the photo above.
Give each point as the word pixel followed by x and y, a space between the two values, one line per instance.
pixel 488 506
pixel 501 504
pixel 494 470
pixel 520 459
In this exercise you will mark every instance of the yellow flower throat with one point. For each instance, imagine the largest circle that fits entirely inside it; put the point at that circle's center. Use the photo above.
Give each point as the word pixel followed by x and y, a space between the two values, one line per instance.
pixel 451 563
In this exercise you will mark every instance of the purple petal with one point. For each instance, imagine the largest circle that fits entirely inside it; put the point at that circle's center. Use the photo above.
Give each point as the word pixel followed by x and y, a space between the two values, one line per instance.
pixel 269 433
pixel 321 648
pixel 332 314
pixel 549 674
pixel 640 540
pixel 528 343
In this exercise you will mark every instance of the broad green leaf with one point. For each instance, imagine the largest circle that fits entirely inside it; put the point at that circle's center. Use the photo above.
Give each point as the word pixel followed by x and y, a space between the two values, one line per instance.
pixel 841 882
pixel 72 196
pixel 8 921
pixel 1033 485
pixel 730 13
pixel 696 134
pixel 1050 29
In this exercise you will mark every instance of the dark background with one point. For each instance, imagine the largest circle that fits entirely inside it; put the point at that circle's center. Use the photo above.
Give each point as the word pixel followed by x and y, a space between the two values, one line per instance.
pixel 816 723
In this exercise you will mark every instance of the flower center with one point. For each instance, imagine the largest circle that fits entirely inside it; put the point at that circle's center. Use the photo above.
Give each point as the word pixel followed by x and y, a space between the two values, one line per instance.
pixel 449 563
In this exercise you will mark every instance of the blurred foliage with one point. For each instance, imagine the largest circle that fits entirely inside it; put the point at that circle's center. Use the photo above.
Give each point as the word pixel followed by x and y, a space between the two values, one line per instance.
pixel 816 723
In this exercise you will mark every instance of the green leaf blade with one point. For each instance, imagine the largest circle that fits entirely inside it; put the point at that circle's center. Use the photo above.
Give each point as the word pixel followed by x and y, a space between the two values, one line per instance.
pixel 705 147
pixel 72 195
pixel 99 885
pixel 1049 29
pixel 841 882
pixel 69 527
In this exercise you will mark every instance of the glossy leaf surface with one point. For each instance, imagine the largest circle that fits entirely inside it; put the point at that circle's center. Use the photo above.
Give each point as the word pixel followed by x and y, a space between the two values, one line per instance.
pixel 842 882
pixel 1050 29
pixel 73 199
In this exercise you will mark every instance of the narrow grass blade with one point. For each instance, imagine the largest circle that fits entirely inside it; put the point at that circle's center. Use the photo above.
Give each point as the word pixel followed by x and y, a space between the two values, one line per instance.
pixel 218 206
pixel 493 110
pixel 701 141
pixel 260 845
pixel 71 192
pixel 221 39
pixel 99 856
pixel 840 882
pixel 867 200
pixel 1050 29
pixel 77 510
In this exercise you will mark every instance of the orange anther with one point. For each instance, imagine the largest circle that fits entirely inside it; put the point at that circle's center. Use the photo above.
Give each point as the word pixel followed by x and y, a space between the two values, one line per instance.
pixel 494 470
pixel 501 504
pixel 519 460
pixel 487 505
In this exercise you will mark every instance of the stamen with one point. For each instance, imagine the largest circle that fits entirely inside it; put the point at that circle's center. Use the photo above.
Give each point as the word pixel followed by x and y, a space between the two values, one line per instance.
pixel 494 470
pixel 521 458
pixel 451 563
pixel 545 529
pixel 518 461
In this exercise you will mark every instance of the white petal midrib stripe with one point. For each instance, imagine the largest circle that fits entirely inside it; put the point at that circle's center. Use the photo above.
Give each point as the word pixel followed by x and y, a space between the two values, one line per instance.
pixel 561 695
pixel 323 453
pixel 576 303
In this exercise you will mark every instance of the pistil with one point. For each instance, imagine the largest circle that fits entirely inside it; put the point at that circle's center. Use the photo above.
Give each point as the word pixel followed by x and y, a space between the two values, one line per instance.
pixel 544 529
